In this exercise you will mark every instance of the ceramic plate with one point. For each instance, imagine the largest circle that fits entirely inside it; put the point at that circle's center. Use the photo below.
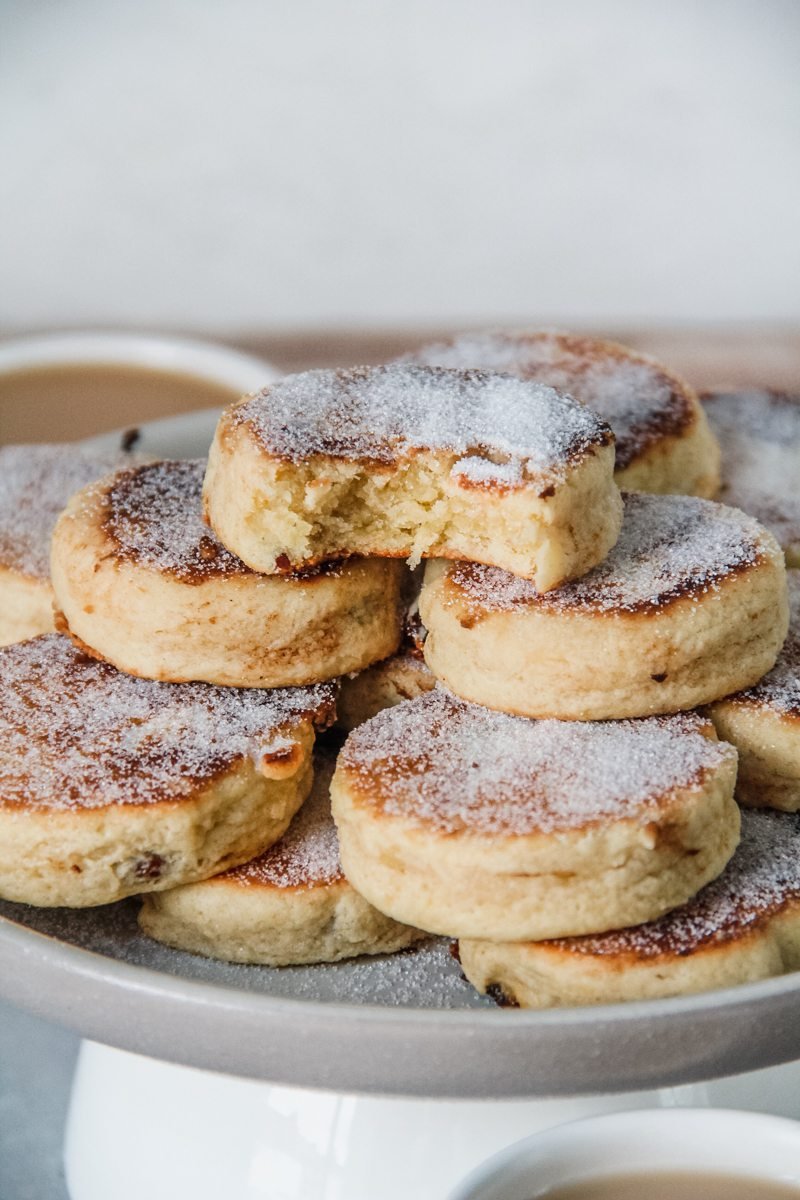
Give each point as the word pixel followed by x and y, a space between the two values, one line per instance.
pixel 405 1025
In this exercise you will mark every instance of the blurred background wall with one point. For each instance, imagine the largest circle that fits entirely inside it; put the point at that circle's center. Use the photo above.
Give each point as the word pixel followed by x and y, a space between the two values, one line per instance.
pixel 235 165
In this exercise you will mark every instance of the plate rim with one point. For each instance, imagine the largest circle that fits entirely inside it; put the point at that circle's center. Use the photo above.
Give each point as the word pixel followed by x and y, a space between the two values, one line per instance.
pixel 394 1050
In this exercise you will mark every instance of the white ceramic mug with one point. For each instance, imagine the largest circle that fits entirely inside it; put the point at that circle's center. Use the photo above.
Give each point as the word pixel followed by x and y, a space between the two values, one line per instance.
pixel 702 1140
pixel 208 360
pixel 230 370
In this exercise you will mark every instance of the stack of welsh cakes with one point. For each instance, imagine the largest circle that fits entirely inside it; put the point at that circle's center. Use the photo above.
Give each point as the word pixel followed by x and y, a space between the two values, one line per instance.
pixel 554 793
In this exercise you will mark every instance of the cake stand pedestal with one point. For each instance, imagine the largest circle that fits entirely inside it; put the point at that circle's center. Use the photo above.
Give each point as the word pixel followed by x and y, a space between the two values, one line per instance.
pixel 139 1127
pixel 372 1078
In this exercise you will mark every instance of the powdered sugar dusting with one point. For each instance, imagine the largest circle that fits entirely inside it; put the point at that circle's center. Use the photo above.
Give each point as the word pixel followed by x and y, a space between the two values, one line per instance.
pixel 35 484
pixel 308 853
pixel 154 513
pixel 669 547
pixel 76 733
pixel 759 432
pixel 477 470
pixel 501 428
pixel 762 878
pixel 780 688
pixel 440 761
pixel 636 396
pixel 423 976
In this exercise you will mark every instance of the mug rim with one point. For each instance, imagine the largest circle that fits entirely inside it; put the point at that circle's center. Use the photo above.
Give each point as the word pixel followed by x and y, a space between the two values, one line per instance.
pixel 559 1150
pixel 209 360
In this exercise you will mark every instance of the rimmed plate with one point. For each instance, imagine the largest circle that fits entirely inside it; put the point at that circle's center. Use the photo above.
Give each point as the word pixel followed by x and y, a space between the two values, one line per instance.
pixel 404 1025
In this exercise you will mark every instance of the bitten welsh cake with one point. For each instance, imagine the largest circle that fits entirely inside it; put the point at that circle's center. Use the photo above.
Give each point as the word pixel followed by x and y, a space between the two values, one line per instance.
pixel 413 462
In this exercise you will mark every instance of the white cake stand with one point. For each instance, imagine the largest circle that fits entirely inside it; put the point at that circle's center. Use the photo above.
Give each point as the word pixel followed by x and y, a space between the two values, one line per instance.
pixel 371 1080
pixel 377 1078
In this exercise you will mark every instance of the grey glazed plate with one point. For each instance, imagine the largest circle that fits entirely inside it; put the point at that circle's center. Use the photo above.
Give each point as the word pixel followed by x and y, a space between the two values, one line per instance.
pixel 405 1025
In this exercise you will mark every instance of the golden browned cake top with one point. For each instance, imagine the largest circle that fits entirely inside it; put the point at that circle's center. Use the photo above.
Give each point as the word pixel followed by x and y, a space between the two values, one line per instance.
pixel 35 484
pixel 761 880
pixel 308 853
pixel 759 434
pixel 76 733
pixel 641 401
pixel 669 548
pixel 779 690
pixel 441 762
pixel 153 514
pixel 504 431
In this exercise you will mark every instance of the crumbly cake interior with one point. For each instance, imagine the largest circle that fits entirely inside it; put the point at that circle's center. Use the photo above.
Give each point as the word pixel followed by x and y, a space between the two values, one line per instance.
pixel 35 484
pixel 408 513
pixel 77 733
pixel 457 766
pixel 669 547
pixel 641 401
pixel 761 879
